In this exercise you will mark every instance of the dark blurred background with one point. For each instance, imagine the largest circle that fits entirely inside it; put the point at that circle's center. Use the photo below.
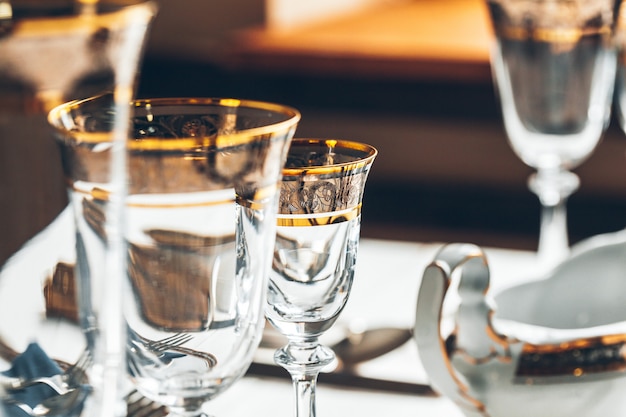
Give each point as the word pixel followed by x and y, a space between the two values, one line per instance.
pixel 410 77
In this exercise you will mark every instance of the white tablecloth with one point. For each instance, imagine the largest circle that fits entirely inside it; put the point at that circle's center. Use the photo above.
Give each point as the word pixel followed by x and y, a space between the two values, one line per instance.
pixel 384 294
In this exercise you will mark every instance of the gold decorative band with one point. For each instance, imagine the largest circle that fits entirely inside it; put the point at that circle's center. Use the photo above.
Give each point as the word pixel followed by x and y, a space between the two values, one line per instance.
pixel 306 220
pixel 577 357
pixel 257 201
pixel 259 198
pixel 102 195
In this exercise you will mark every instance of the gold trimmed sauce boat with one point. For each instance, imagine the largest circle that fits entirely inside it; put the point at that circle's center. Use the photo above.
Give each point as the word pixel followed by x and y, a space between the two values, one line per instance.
pixel 550 347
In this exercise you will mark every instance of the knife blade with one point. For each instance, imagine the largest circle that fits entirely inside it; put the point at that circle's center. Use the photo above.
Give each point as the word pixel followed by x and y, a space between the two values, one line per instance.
pixel 347 379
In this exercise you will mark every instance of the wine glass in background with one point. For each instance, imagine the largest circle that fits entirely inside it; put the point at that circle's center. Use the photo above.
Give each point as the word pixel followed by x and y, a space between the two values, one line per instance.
pixel 620 81
pixel 554 65
pixel 200 221
pixel 315 253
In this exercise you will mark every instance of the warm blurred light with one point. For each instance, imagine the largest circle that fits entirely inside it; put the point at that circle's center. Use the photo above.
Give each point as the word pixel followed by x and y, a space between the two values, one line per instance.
pixel 286 14
pixel 6 11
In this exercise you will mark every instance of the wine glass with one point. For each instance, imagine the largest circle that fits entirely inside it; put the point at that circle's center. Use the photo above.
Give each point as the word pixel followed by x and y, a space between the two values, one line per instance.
pixel 52 52
pixel 315 253
pixel 554 65
pixel 200 219
pixel 620 80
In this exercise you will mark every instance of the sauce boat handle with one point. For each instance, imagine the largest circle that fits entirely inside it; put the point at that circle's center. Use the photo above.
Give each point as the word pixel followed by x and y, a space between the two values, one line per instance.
pixel 470 261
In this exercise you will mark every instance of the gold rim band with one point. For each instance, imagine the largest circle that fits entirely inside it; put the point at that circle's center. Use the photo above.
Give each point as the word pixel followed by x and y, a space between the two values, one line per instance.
pixel 331 218
pixel 369 153
pixel 291 118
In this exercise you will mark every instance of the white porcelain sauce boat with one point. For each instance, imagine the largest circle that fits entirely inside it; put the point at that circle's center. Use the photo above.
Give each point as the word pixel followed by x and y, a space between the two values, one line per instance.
pixel 551 347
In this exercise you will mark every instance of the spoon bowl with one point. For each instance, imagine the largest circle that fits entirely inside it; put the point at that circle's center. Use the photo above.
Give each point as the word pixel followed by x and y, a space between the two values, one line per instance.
pixel 352 345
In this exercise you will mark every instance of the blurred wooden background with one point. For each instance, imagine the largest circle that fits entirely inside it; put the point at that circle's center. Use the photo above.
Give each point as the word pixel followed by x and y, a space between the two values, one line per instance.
pixel 409 77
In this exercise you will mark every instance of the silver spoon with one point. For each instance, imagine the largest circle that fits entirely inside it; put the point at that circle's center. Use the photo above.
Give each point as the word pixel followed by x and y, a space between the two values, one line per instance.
pixel 369 344
pixel 355 346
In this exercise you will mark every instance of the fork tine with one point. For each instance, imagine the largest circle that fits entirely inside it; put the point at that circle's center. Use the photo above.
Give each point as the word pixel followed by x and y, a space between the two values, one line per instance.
pixel 132 366
pixel 169 339
pixel 175 340
pixel 76 374
pixel 83 360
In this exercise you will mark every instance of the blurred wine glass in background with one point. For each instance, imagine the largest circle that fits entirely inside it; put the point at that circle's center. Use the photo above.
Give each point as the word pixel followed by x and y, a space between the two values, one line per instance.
pixel 620 81
pixel 554 66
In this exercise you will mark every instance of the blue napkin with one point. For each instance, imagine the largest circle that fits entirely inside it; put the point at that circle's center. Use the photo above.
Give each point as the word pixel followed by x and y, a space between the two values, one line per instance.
pixel 33 362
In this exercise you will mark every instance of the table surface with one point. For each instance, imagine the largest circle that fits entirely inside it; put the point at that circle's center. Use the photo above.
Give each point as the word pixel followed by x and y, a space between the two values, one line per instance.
pixel 384 293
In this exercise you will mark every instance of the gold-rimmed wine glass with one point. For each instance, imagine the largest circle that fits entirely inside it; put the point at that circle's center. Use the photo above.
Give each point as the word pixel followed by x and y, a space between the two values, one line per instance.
pixel 315 253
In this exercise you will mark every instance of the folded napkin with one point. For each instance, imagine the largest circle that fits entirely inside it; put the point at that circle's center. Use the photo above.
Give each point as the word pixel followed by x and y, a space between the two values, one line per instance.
pixel 32 363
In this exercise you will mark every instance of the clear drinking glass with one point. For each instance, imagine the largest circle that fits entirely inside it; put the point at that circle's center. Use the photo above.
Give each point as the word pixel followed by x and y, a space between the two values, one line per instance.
pixel 315 253
pixel 200 219
pixel 554 65
pixel 52 52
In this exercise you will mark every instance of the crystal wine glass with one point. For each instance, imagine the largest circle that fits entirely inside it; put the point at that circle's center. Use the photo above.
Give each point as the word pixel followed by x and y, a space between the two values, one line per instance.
pixel 200 219
pixel 554 66
pixel 52 52
pixel 315 253
pixel 620 80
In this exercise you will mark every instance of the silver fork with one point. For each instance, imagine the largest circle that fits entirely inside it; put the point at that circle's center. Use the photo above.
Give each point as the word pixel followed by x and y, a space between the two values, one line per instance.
pixel 146 350
pixel 171 342
pixel 159 347
pixel 61 383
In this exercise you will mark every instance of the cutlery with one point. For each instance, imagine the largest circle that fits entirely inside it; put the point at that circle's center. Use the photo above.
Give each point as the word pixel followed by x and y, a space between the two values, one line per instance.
pixel 60 383
pixel 349 379
pixel 149 350
pixel 55 405
pixel 160 347
pixel 354 346
pixel 357 347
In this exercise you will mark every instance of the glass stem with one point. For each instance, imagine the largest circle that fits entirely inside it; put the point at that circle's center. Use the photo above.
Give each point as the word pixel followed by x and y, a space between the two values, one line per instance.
pixel 553 187
pixel 304 360
pixel 304 386
pixel 553 237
